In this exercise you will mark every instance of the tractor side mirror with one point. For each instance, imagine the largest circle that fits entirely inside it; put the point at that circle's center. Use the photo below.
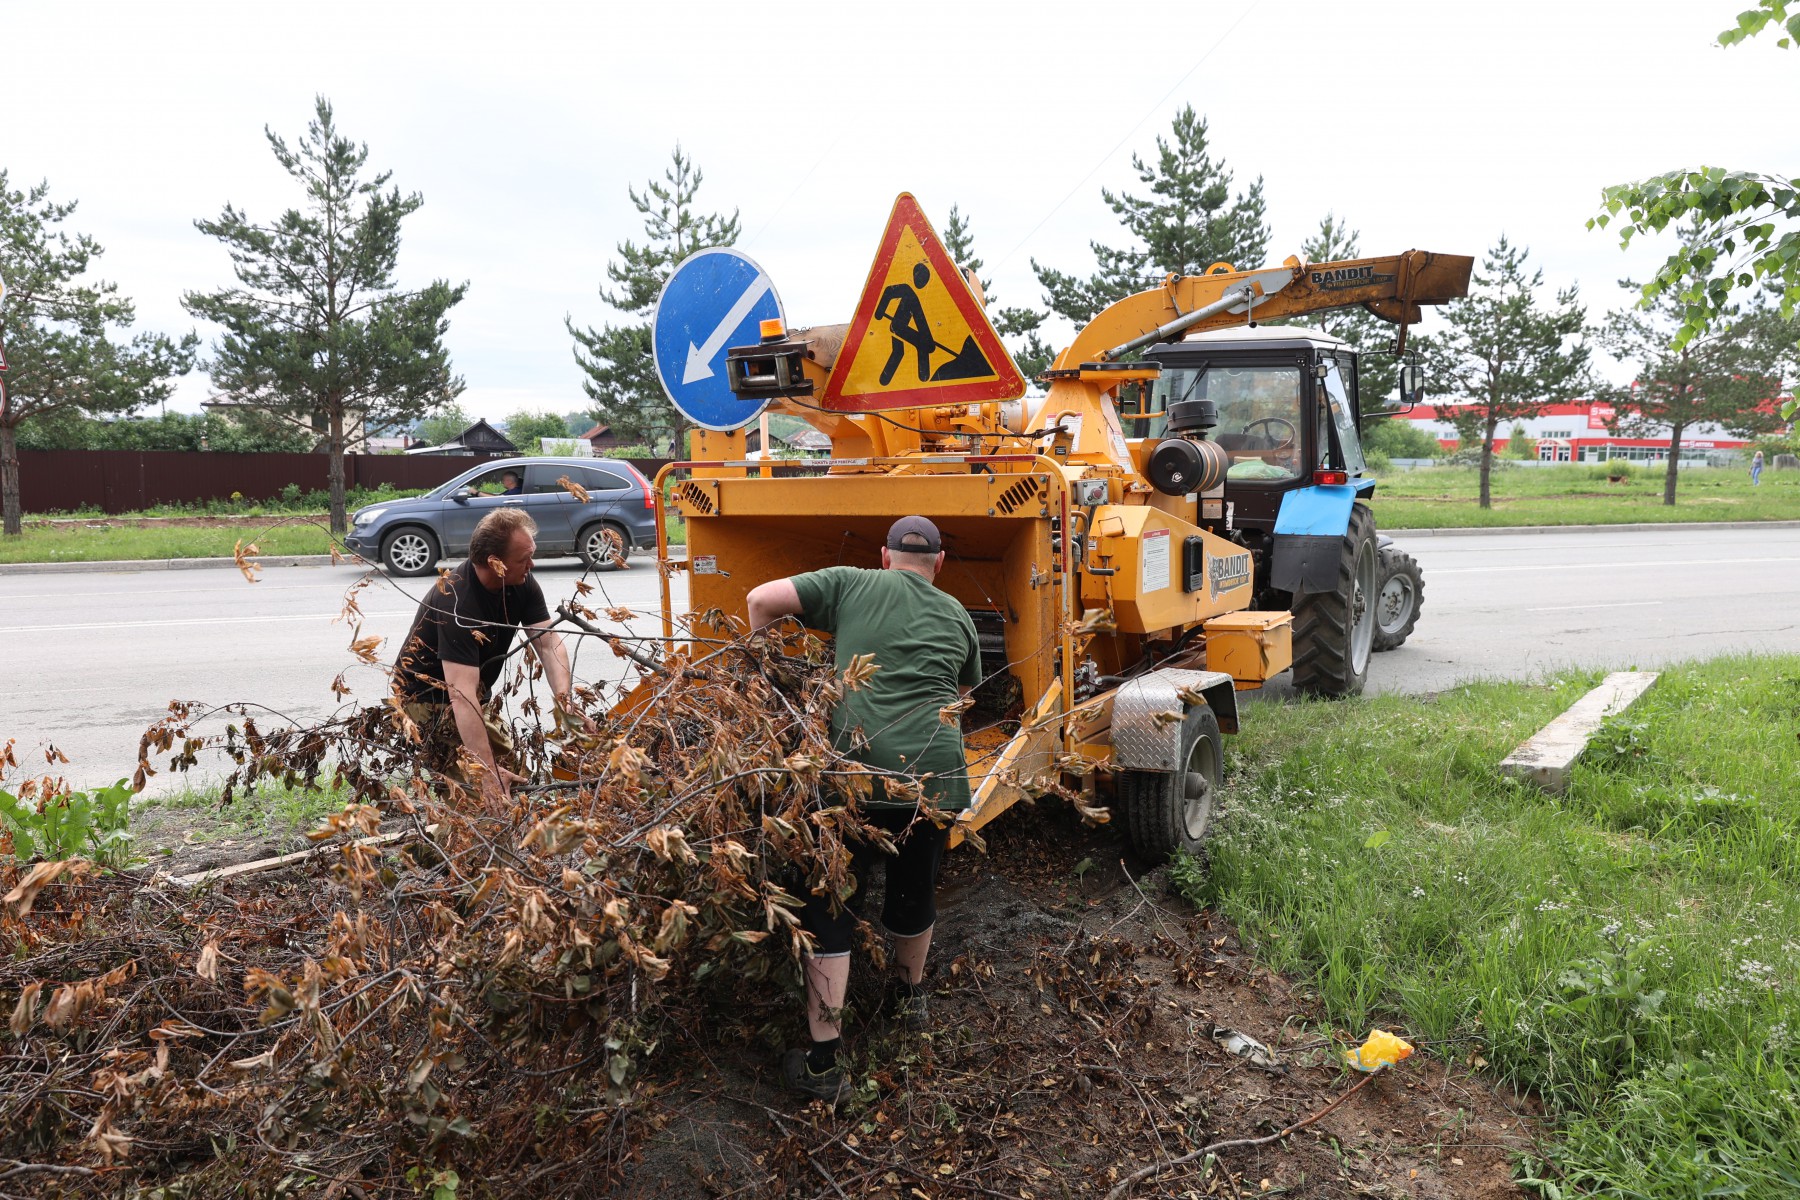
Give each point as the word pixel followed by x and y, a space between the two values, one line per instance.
pixel 1412 384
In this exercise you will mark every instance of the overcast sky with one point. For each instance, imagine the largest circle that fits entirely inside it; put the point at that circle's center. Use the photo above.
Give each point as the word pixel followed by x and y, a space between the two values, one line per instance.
pixel 1436 125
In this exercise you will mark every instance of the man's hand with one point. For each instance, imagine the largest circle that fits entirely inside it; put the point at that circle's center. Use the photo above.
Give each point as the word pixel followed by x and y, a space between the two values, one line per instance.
pixel 565 703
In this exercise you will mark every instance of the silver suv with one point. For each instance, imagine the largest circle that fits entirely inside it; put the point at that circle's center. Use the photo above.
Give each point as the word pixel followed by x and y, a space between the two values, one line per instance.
pixel 410 536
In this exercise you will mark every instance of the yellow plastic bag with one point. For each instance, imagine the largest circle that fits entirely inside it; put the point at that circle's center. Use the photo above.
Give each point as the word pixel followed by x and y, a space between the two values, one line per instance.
pixel 1382 1049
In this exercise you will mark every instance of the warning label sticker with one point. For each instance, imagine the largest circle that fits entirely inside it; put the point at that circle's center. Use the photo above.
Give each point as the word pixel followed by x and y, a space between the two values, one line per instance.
pixel 1154 572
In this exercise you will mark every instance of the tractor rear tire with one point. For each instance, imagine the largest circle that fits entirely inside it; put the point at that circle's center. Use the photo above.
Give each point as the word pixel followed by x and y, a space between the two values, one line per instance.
pixel 1399 596
pixel 1166 811
pixel 1334 632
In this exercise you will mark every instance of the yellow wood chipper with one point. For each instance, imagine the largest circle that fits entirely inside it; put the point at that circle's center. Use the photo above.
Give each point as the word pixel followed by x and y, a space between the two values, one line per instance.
pixel 1108 538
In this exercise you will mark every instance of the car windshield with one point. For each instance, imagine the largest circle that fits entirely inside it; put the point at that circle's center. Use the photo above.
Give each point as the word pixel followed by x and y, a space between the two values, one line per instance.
pixel 1259 415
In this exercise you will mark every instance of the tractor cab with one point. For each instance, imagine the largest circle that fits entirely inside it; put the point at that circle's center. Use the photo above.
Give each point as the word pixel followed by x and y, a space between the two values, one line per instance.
pixel 1285 402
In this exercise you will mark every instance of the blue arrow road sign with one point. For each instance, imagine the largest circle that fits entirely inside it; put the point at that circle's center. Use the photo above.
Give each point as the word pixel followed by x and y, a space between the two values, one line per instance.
pixel 715 299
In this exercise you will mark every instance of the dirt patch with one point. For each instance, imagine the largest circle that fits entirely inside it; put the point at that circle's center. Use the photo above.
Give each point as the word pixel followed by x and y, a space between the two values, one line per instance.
pixel 181 841
pixel 1070 1047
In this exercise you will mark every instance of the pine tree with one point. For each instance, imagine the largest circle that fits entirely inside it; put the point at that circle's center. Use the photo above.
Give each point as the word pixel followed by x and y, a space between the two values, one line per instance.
pixel 57 333
pixel 1509 357
pixel 317 327
pixel 1189 221
pixel 1730 374
pixel 618 360
pixel 1033 356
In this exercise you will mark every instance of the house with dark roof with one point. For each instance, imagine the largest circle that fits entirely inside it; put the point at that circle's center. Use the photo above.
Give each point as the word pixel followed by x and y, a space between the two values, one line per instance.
pixel 479 438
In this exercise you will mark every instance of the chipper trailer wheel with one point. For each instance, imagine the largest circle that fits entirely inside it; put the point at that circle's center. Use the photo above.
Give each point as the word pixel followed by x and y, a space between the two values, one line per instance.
pixel 1167 811
pixel 1398 598
pixel 1334 632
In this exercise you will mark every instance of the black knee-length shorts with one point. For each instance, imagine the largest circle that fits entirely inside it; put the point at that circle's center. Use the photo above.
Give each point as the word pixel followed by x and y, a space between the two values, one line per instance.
pixel 911 904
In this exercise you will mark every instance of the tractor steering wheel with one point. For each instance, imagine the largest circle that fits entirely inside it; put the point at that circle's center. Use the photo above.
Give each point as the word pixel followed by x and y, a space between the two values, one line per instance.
pixel 1288 434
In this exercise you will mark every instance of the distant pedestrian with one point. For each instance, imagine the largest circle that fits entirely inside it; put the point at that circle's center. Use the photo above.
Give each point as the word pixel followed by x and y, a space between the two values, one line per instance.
pixel 1756 470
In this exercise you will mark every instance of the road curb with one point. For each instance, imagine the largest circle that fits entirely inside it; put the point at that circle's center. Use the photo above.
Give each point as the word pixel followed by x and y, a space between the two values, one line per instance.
pixel 1646 527
pixel 200 564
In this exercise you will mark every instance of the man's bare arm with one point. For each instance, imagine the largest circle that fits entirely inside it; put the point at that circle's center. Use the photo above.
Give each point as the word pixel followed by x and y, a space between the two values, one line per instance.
pixel 769 602
pixel 463 681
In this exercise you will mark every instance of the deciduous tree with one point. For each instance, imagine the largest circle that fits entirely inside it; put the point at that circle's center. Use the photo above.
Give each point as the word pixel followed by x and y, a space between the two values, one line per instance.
pixel 318 326
pixel 1746 224
pixel 1189 220
pixel 617 359
pixel 1507 356
pixel 442 425
pixel 528 429
pixel 1728 375
pixel 62 334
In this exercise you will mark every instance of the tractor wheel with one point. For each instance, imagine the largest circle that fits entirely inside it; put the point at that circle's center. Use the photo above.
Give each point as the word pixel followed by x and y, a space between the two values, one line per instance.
pixel 1166 811
pixel 410 551
pixel 603 546
pixel 1334 631
pixel 1398 598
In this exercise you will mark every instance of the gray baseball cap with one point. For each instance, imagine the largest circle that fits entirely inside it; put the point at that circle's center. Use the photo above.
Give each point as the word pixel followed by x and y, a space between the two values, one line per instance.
pixel 914 535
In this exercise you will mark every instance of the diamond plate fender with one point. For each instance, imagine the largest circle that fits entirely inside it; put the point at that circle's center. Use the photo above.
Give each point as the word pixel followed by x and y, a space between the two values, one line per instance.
pixel 1140 741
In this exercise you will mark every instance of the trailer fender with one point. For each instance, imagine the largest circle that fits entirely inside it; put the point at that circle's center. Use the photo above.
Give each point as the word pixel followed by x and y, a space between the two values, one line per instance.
pixel 1141 742
pixel 1309 537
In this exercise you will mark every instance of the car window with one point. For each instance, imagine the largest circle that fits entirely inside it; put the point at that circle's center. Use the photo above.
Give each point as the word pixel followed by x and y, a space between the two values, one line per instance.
pixel 542 478
pixel 495 482
pixel 596 480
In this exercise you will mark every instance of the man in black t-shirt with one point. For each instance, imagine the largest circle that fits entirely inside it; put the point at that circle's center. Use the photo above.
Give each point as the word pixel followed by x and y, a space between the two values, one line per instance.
pixel 458 645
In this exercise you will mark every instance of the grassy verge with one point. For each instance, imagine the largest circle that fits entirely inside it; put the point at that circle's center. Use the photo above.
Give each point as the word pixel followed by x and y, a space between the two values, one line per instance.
pixel 118 543
pixel 1628 950
pixel 1445 497
pixel 271 807
pixel 83 543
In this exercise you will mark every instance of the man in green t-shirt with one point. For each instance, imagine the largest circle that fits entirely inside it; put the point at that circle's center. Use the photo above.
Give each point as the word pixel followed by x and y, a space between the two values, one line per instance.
pixel 926 658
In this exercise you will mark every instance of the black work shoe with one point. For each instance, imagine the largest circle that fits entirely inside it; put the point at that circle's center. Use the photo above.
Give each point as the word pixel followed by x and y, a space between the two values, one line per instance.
pixel 912 1011
pixel 830 1085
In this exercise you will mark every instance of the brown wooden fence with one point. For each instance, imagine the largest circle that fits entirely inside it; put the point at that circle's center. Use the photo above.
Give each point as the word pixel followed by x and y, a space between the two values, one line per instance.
pixel 118 481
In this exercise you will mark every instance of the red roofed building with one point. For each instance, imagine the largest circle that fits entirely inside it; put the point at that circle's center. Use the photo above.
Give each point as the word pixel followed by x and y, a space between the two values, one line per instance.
pixel 1577 433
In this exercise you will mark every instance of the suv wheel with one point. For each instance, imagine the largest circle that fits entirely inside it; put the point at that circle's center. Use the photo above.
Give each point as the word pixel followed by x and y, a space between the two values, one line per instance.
pixel 410 551
pixel 603 547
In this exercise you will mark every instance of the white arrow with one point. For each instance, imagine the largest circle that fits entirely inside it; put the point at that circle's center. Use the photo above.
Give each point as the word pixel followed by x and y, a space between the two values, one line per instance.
pixel 703 354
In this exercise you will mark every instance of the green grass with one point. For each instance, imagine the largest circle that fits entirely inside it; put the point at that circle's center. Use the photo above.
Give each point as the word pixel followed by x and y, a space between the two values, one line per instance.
pixel 1445 497
pixel 270 806
pixel 82 543
pixel 1629 950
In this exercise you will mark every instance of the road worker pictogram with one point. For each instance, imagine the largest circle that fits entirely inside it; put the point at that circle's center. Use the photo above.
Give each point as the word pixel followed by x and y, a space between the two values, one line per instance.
pixel 919 336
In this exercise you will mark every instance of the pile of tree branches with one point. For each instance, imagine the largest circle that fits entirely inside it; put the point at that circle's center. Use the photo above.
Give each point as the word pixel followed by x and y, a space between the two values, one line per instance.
pixel 441 1005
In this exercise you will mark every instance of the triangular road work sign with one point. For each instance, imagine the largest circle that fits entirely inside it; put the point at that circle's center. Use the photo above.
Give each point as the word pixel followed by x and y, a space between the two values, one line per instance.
pixel 919 336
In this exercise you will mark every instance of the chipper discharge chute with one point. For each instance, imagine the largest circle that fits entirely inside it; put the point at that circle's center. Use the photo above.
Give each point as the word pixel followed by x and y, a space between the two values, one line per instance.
pixel 1110 593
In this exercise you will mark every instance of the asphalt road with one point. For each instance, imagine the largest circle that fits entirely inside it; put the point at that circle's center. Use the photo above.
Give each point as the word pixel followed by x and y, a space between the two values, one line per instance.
pixel 92 659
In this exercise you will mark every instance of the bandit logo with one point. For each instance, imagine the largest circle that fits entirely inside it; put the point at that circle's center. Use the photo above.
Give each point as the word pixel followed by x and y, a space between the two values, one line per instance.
pixel 1227 573
pixel 1345 278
